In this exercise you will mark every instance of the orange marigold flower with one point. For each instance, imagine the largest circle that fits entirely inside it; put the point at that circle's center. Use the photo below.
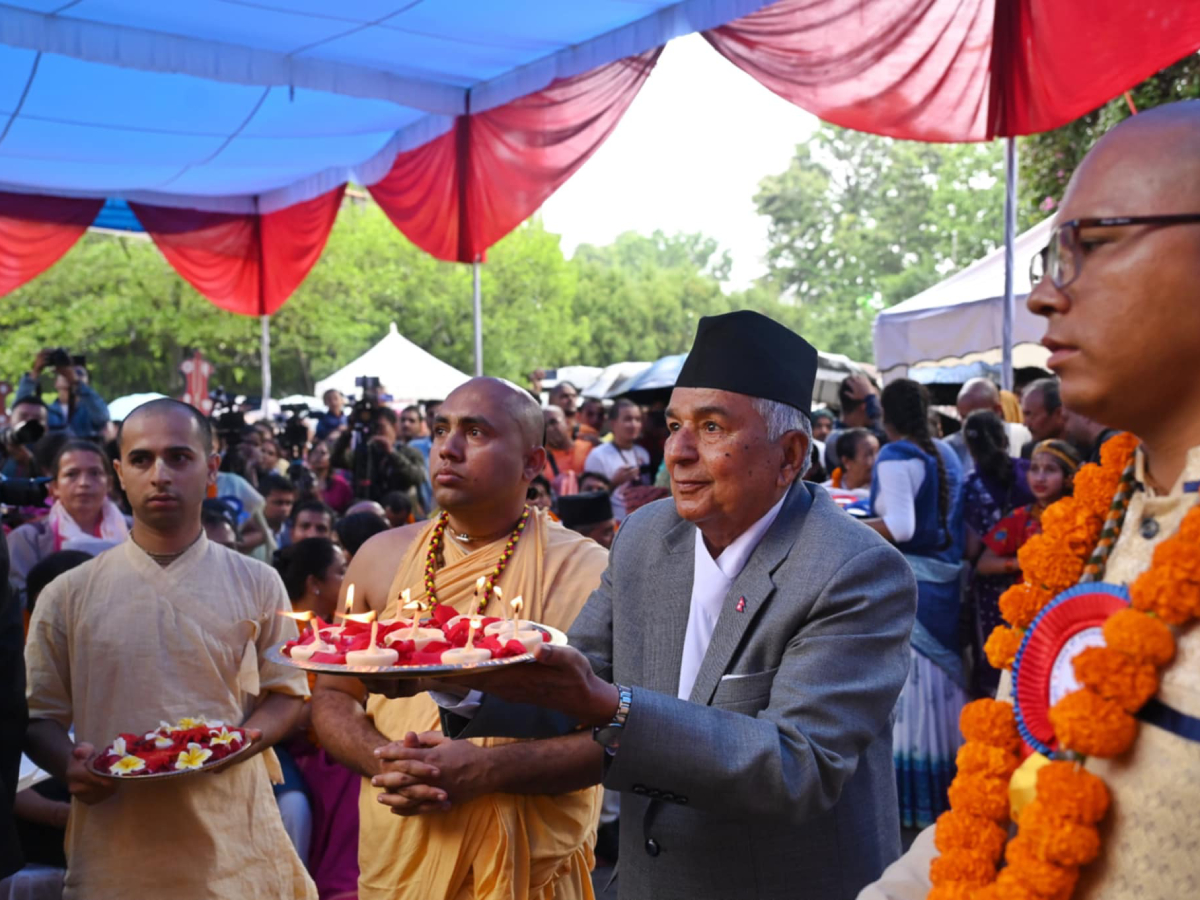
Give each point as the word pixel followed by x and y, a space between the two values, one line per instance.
pixel 1021 603
pixel 1043 878
pixel 992 762
pixel 1072 792
pixel 1189 529
pixel 1049 564
pixel 962 867
pixel 1087 723
pixel 980 796
pixel 957 830
pixel 990 722
pixel 1057 840
pixel 1117 677
pixel 1117 452
pixel 1143 637
pixel 1005 887
pixel 952 891
pixel 1094 489
pixel 1161 591
pixel 1072 525
pixel 1002 645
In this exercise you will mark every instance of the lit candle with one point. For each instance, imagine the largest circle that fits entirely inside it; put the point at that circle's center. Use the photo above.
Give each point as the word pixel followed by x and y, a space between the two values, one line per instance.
pixel 509 624
pixel 374 655
pixel 468 654
pixel 499 597
pixel 418 635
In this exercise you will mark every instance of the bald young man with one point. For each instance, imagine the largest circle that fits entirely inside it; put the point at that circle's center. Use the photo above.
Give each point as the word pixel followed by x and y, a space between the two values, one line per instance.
pixel 167 625
pixel 1119 299
pixel 530 841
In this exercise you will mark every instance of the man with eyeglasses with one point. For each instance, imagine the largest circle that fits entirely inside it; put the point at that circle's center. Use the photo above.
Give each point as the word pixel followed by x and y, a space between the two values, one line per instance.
pixel 1118 288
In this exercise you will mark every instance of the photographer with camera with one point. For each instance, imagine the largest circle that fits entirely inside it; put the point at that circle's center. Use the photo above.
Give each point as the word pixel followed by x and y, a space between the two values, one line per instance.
pixel 79 410
pixel 28 421
pixel 368 450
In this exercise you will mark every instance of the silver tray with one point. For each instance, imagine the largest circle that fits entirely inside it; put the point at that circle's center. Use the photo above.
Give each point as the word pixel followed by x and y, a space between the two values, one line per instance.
pixel 276 655
pixel 214 766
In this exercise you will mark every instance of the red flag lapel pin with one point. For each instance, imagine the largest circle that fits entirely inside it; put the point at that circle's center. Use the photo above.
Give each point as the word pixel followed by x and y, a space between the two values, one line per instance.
pixel 741 604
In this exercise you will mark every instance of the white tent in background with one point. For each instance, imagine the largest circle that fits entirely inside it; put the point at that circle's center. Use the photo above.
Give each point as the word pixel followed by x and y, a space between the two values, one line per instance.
pixel 961 319
pixel 404 370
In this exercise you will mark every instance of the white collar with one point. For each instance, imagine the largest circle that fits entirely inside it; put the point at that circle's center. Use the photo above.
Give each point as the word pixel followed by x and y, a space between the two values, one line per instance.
pixel 734 557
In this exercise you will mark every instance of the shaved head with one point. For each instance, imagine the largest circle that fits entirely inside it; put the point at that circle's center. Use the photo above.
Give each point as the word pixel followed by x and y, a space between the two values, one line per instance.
pixel 1129 317
pixel 517 404
pixel 165 406
pixel 487 448
pixel 978 393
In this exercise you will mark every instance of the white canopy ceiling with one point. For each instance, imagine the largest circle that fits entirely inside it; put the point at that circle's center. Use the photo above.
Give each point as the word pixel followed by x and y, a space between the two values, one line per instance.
pixel 225 104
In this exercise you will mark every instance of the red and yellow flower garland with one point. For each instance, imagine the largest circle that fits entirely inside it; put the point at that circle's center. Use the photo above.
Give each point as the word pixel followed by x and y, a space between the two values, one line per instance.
pixel 1057 831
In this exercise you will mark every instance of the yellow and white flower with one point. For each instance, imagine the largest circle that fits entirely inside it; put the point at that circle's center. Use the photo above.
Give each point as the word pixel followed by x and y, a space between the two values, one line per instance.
pixel 118 747
pixel 193 757
pixel 188 722
pixel 127 765
pixel 226 737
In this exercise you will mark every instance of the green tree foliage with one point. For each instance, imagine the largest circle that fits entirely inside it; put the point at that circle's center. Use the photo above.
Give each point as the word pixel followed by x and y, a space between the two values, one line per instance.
pixel 1047 160
pixel 860 222
pixel 116 300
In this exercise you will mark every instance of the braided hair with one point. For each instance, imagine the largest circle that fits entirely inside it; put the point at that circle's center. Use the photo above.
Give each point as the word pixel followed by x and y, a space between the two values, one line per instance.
pixel 906 409
pixel 988 442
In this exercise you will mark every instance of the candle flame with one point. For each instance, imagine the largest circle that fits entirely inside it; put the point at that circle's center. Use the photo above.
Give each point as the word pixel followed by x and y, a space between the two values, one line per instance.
pixel 517 604
pixel 364 618
pixel 349 600
pixel 499 593
pixel 405 597
pixel 471 632
pixel 479 584
pixel 306 616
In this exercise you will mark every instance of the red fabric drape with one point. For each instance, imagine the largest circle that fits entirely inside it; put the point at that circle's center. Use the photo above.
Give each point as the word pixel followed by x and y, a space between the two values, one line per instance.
pixel 243 262
pixel 35 231
pixel 458 194
pixel 957 70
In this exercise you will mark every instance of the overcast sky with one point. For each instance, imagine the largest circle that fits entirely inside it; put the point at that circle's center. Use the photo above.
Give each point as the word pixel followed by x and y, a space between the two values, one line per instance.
pixel 687 156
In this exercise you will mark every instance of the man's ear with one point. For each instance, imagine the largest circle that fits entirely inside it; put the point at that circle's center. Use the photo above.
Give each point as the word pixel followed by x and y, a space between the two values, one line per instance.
pixel 535 462
pixel 116 464
pixel 796 457
pixel 214 465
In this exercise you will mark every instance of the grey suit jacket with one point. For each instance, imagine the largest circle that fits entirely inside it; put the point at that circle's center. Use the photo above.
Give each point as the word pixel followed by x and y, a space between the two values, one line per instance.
pixel 775 778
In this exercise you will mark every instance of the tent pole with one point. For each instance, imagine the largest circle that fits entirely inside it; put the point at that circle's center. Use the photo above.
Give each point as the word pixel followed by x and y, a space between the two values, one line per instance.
pixel 478 318
pixel 266 364
pixel 1010 234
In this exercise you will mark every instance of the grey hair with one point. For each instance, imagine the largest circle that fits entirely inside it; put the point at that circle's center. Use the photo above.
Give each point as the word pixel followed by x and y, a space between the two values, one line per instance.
pixel 780 418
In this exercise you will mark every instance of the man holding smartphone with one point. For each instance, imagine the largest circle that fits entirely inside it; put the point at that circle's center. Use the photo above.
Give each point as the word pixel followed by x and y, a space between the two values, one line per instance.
pixel 622 461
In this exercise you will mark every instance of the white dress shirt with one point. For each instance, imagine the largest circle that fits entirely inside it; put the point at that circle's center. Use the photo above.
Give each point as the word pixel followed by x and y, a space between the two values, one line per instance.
pixel 711 581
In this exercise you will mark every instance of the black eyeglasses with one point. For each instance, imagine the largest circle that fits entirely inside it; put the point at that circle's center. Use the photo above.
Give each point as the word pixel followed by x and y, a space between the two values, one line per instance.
pixel 1062 259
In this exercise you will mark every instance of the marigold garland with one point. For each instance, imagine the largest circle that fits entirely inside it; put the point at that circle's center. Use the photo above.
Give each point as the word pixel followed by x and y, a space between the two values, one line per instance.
pixel 1140 637
pixel 1057 832
pixel 1117 677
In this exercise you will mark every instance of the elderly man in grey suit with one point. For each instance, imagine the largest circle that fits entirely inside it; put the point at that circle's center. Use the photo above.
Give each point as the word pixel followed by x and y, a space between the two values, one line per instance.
pixel 737 666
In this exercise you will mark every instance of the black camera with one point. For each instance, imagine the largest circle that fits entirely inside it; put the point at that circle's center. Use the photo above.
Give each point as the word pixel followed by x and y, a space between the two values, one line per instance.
pixel 22 435
pixel 294 438
pixel 228 423
pixel 24 491
pixel 59 358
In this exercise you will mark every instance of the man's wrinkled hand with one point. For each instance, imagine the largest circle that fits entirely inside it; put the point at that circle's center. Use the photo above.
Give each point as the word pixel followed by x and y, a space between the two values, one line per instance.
pixel 429 773
pixel 84 784
pixel 561 678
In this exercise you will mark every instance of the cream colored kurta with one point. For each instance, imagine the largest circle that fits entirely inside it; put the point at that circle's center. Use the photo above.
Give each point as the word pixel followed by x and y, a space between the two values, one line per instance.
pixel 1150 846
pixel 119 644
pixel 499 846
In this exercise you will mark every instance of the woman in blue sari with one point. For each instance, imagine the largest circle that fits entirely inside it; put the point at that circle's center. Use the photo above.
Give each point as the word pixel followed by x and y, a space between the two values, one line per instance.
pixel 916 502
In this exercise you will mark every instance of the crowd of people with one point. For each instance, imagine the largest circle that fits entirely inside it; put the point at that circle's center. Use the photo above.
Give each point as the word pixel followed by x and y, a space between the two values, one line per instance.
pixel 765 673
